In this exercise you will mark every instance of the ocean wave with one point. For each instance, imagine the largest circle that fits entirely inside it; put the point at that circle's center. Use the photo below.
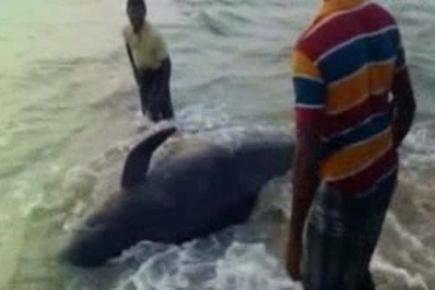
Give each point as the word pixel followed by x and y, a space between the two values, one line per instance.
pixel 420 151
pixel 210 265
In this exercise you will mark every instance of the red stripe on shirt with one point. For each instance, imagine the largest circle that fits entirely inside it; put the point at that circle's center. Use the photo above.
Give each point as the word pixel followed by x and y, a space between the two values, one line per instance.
pixel 375 104
pixel 308 118
pixel 363 180
pixel 337 31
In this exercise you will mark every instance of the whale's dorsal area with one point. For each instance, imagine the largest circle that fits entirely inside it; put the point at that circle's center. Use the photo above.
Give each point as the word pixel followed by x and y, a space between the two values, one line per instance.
pixel 137 162
pixel 177 147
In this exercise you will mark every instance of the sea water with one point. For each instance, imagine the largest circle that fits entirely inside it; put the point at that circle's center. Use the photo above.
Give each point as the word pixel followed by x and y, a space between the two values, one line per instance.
pixel 70 114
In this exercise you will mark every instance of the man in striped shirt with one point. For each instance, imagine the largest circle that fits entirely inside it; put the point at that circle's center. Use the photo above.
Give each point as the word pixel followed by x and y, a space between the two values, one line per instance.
pixel 354 106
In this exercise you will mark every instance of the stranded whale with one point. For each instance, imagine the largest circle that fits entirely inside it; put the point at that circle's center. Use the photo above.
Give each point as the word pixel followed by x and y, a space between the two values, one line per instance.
pixel 179 186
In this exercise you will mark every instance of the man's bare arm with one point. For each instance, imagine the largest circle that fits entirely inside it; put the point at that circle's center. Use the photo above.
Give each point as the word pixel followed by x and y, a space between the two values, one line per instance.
pixel 305 183
pixel 133 66
pixel 403 106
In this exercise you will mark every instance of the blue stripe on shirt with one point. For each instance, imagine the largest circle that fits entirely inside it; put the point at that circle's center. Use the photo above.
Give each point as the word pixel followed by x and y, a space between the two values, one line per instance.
pixel 309 92
pixel 352 57
pixel 364 131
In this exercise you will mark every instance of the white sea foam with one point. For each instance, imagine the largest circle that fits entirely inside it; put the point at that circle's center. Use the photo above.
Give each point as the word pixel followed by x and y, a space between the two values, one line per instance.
pixel 49 97
pixel 202 117
pixel 420 147
pixel 397 278
pixel 209 264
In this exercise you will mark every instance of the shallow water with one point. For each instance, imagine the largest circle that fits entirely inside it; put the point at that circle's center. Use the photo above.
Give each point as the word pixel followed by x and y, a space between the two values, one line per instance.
pixel 69 114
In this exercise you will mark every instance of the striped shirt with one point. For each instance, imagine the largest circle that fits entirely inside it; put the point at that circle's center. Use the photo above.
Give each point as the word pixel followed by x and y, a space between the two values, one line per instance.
pixel 344 66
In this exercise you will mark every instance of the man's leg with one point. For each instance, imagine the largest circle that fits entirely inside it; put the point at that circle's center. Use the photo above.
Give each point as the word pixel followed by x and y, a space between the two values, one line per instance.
pixel 143 100
pixel 325 254
pixel 341 237
pixel 154 108
pixel 367 283
pixel 145 92
pixel 154 95
pixel 165 96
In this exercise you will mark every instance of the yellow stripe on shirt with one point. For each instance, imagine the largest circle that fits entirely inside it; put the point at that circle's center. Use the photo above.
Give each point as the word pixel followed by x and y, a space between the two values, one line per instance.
pixel 352 91
pixel 355 158
pixel 304 66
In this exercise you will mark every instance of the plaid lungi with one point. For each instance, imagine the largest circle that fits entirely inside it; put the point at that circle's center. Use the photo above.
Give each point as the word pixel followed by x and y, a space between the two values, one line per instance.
pixel 341 234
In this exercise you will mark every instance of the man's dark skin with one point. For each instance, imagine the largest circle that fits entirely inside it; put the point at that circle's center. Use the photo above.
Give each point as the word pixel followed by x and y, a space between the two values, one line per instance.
pixel 307 161
pixel 137 16
pixel 153 81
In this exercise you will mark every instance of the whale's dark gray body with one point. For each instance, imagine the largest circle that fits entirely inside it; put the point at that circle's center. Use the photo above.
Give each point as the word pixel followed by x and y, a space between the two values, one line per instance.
pixel 176 187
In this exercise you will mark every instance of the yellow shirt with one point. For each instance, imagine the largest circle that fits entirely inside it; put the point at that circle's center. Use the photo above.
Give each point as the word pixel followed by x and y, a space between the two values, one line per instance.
pixel 147 46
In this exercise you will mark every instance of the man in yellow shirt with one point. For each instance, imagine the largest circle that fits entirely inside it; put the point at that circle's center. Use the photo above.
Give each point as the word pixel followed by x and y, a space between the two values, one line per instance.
pixel 150 61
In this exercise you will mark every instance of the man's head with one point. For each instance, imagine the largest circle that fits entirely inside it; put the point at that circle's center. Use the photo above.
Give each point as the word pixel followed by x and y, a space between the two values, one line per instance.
pixel 136 11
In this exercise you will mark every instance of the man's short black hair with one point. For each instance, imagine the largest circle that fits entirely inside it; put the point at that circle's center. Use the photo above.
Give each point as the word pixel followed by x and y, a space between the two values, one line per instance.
pixel 137 3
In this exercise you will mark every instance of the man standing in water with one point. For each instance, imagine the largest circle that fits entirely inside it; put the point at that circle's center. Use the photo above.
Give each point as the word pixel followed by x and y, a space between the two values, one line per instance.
pixel 354 106
pixel 150 61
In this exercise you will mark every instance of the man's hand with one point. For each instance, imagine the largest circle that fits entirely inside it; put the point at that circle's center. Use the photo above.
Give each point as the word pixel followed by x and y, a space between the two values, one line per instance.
pixel 404 106
pixel 138 77
pixel 293 262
